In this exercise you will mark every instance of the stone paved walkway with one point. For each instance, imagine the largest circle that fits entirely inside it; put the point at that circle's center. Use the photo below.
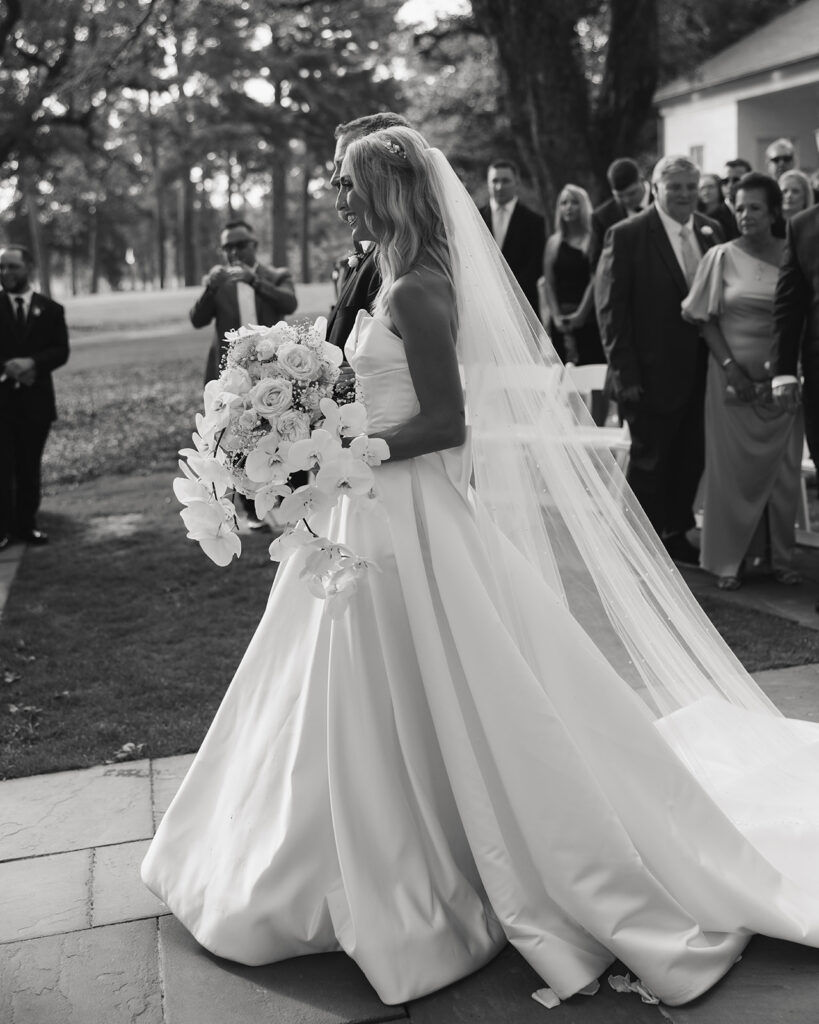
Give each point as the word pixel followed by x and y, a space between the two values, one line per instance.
pixel 83 942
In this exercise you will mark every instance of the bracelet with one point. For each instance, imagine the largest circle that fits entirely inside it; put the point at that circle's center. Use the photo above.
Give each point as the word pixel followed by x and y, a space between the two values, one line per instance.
pixel 727 362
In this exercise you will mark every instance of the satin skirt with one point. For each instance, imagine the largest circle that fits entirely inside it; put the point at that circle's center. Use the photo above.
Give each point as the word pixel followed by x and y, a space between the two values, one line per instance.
pixel 409 785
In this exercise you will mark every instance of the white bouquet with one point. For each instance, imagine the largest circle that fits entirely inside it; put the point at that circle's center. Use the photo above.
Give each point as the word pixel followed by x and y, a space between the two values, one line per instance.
pixel 271 413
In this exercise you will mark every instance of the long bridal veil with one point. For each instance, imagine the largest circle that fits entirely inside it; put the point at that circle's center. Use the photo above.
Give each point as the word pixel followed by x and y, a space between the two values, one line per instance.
pixel 544 477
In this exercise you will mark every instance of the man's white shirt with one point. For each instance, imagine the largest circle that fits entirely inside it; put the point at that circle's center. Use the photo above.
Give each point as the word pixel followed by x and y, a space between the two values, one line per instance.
pixel 247 301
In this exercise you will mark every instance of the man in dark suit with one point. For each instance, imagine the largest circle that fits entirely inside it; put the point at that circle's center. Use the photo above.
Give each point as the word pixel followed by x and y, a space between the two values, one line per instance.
pixel 796 319
pixel 33 342
pixel 629 195
pixel 519 231
pixel 657 360
pixel 361 280
pixel 241 292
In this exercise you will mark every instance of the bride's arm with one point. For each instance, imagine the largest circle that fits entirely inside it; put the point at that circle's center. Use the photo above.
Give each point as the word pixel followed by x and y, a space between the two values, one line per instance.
pixel 421 307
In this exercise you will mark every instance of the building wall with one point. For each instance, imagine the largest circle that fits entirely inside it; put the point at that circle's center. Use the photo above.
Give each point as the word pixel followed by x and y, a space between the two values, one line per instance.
pixel 792 113
pixel 703 130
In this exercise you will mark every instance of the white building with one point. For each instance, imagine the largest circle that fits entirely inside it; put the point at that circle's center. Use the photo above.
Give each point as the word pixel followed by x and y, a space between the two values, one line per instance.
pixel 762 88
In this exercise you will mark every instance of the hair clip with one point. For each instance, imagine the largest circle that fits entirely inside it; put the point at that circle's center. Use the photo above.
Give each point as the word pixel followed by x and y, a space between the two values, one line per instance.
pixel 394 148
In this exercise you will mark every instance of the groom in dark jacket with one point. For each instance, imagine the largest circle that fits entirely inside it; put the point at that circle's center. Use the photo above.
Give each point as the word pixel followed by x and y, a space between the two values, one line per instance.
pixel 33 342
pixel 657 360
pixel 361 280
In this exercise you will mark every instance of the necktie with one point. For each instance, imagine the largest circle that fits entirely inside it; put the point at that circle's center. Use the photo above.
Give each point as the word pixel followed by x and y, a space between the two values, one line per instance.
pixel 501 222
pixel 21 313
pixel 690 254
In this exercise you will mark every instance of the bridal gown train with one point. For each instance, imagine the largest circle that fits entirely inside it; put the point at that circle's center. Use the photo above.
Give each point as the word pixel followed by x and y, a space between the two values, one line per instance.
pixel 409 785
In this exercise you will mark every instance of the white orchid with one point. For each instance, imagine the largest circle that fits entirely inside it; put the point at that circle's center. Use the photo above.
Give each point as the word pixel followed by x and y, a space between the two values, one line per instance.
pixel 267 498
pixel 291 541
pixel 303 502
pixel 213 473
pixel 331 354
pixel 318 448
pixel 208 524
pixel 268 463
pixel 344 420
pixel 371 450
pixel 344 474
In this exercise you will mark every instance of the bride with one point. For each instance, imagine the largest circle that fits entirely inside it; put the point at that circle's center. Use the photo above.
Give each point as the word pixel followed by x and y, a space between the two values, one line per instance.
pixel 522 728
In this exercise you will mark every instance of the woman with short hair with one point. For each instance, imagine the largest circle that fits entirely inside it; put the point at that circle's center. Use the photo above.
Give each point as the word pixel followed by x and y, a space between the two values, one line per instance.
pixel 753 447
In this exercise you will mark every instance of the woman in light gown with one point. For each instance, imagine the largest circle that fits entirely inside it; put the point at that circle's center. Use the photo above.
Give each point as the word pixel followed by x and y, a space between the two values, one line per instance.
pixel 516 731
pixel 753 447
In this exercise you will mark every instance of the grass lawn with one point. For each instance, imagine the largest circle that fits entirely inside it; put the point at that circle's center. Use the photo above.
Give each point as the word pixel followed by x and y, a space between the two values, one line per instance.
pixel 121 630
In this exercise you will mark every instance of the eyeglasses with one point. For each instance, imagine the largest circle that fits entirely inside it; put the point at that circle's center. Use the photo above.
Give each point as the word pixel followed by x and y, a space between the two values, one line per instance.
pixel 783 158
pixel 731 181
pixel 238 245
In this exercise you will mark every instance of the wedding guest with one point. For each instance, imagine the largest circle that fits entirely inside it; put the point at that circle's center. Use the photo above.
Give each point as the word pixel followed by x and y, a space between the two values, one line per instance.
pixel 519 231
pixel 753 449
pixel 796 319
pixel 779 157
pixel 568 286
pixel 732 174
pixel 630 194
pixel 33 342
pixel 242 290
pixel 658 360
pixel 797 194
pixel 713 205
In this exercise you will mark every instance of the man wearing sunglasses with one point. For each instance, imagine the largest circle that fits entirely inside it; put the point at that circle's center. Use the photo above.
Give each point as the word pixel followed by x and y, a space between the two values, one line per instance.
pixel 241 291
pixel 780 157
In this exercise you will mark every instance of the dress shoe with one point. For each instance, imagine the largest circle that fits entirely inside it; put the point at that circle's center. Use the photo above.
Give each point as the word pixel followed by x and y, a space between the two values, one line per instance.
pixel 35 537
pixel 5 540
pixel 681 550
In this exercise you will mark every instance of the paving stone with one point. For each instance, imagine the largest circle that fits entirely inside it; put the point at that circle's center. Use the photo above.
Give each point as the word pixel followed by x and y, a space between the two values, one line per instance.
pixel 117 891
pixel 795 691
pixel 200 988
pixel 168 773
pixel 774 983
pixel 97 976
pixel 501 993
pixel 44 895
pixel 75 810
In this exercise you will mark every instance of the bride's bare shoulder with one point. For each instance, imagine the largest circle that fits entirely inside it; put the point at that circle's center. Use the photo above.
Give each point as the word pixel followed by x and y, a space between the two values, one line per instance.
pixel 422 285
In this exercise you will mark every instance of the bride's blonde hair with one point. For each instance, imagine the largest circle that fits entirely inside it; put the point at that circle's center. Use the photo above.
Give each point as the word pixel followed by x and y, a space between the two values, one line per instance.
pixel 389 170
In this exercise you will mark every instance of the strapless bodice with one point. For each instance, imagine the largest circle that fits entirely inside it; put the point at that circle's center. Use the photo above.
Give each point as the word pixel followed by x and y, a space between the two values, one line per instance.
pixel 380 363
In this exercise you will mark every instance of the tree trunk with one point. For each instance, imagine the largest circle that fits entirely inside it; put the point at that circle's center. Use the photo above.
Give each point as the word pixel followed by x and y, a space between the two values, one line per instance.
pixel 305 217
pixel 187 223
pixel 281 159
pixel 159 204
pixel 39 251
pixel 569 128
pixel 94 247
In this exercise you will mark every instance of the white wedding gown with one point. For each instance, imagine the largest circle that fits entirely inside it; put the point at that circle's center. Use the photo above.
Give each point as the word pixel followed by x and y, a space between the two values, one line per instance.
pixel 410 786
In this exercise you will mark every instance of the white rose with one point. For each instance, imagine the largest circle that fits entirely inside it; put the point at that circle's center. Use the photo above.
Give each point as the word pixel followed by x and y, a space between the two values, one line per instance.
pixel 235 380
pixel 299 361
pixel 248 419
pixel 266 349
pixel 271 396
pixel 293 425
